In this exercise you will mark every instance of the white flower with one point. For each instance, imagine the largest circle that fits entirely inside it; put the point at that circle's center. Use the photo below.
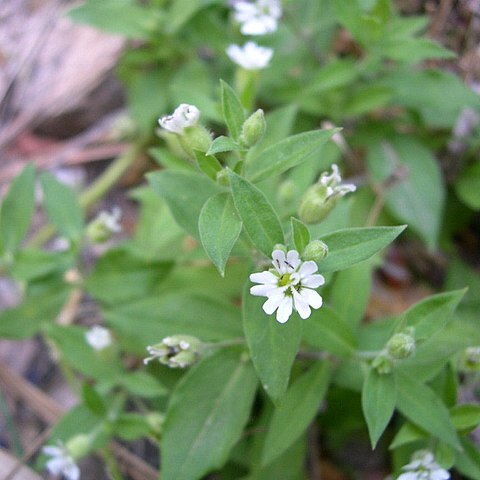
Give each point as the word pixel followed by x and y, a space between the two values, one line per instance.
pixel 250 56
pixel 332 183
pixel 61 463
pixel 423 467
pixel 257 18
pixel 111 220
pixel 98 337
pixel 289 286
pixel 184 116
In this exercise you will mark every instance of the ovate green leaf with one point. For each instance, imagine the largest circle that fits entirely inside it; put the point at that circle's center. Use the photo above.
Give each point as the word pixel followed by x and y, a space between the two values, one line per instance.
pixel 219 228
pixel 232 110
pixel 273 346
pixel 206 415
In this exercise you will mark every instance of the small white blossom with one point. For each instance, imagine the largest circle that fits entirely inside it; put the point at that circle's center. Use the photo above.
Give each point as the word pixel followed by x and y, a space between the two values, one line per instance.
pixel 61 463
pixel 289 286
pixel 177 351
pixel 250 56
pixel 184 116
pixel 111 220
pixel 332 183
pixel 98 337
pixel 257 18
pixel 423 467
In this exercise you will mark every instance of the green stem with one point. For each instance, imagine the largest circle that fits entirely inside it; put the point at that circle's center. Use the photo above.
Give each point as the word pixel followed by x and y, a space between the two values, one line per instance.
pixel 111 464
pixel 97 190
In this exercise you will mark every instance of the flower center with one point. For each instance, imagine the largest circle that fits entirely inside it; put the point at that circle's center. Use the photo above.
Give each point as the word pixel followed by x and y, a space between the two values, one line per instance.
pixel 284 280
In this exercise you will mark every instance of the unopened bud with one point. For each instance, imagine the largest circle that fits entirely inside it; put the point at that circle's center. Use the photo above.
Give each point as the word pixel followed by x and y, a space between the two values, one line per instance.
pixel 471 358
pixel 104 225
pixel 253 128
pixel 401 346
pixel 156 421
pixel 383 363
pixel 79 445
pixel 177 351
pixel 320 199
pixel 316 250
pixel 223 178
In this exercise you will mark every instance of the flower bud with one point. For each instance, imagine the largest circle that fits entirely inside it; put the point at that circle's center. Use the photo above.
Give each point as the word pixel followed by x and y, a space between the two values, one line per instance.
pixel 177 351
pixel 471 358
pixel 253 128
pixel 280 246
pixel 223 178
pixel 316 250
pixel 156 421
pixel 79 445
pixel 320 199
pixel 104 226
pixel 383 363
pixel 401 346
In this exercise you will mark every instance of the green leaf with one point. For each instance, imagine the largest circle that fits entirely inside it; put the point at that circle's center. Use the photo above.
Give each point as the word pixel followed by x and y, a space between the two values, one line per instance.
pixel 420 405
pixel 408 433
pixel 325 330
pixel 185 194
pixel 418 198
pixel 150 319
pixel 93 401
pixel 298 409
pixel 414 50
pixel 223 144
pixel 286 154
pixel 17 210
pixel 350 246
pixel 62 207
pixel 142 384
pixel 208 164
pixel 432 314
pixel 466 416
pixel 182 11
pixel 379 395
pixel 131 426
pixel 300 234
pixel 38 307
pixel 219 228
pixel 467 186
pixel 206 415
pixel 351 292
pixel 468 461
pixel 119 276
pixel 232 109
pixel 273 346
pixel 260 220
pixel 123 17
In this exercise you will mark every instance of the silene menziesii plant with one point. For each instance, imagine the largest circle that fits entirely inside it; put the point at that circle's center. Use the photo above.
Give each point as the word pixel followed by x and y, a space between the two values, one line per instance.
pixel 242 293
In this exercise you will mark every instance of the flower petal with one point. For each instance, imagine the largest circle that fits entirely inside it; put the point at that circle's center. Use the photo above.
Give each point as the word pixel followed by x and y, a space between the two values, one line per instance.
pixel 301 305
pixel 263 290
pixel 313 281
pixel 311 297
pixel 285 309
pixel 293 260
pixel 272 303
pixel 265 277
pixel 308 268
pixel 279 261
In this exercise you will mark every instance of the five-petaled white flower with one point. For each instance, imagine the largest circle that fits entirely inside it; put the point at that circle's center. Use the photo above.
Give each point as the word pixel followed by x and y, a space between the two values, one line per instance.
pixel 250 56
pixel 289 286
pixel 184 116
pixel 257 18
pixel 423 467
pixel 61 463
pixel 98 337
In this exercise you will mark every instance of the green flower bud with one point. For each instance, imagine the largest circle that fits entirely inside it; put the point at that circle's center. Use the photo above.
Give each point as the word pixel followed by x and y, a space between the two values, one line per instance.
pixel 253 128
pixel 316 250
pixel 79 445
pixel 177 351
pixel 104 225
pixel 471 358
pixel 401 346
pixel 156 421
pixel 280 246
pixel 320 199
pixel 383 363
pixel 223 178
